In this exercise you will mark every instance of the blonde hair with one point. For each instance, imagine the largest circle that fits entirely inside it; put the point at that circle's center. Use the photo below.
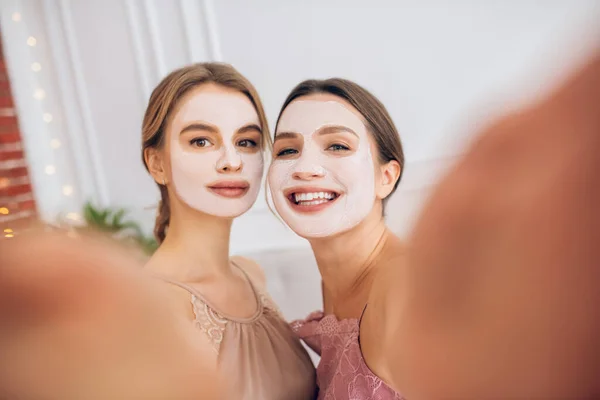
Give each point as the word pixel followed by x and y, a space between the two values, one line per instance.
pixel 164 99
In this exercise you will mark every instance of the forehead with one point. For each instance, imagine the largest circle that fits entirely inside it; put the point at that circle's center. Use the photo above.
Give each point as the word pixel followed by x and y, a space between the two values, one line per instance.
pixel 215 104
pixel 310 113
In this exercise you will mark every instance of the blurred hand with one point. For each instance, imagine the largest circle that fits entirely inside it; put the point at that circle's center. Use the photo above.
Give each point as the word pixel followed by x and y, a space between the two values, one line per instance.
pixel 503 291
pixel 79 320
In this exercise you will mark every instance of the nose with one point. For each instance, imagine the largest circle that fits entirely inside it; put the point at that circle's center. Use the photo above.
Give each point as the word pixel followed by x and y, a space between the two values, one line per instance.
pixel 309 174
pixel 229 162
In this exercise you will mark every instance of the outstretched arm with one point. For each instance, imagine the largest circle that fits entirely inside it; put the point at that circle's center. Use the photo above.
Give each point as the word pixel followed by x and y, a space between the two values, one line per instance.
pixel 80 320
pixel 501 291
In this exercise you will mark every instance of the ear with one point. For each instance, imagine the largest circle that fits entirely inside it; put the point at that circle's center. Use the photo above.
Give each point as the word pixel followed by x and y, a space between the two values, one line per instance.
pixel 155 162
pixel 390 173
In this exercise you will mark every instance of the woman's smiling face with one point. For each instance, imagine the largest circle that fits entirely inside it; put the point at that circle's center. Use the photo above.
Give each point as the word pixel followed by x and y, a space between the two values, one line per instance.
pixel 322 177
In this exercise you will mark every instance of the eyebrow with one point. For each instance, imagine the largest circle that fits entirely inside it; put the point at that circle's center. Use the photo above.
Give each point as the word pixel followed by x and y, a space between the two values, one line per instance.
pixel 249 128
pixel 326 130
pixel 286 135
pixel 197 126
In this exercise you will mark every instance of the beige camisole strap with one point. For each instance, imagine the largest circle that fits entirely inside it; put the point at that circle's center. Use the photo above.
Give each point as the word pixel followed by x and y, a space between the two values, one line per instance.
pixel 212 322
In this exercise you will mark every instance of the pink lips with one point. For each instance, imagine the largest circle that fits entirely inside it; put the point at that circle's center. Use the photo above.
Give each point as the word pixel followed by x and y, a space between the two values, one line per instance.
pixel 229 189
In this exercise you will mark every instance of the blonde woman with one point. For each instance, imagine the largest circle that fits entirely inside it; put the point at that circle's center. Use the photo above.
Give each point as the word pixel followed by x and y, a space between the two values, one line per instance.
pixel 204 134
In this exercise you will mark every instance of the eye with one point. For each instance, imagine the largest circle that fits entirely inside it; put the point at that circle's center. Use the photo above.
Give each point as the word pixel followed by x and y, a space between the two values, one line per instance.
pixel 200 142
pixel 338 147
pixel 247 143
pixel 286 152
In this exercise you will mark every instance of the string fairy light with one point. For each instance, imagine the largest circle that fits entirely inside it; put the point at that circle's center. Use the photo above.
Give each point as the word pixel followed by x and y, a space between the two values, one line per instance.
pixel 39 94
pixel 49 169
pixel 67 190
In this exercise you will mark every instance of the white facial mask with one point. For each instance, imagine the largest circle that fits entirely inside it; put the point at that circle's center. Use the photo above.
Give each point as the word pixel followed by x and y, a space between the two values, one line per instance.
pixel 222 159
pixel 352 175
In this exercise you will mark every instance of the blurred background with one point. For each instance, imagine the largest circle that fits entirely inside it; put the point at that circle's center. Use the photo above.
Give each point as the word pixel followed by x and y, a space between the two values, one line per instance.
pixel 75 77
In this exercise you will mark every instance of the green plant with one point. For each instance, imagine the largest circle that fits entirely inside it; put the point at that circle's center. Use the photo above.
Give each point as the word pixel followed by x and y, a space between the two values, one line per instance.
pixel 112 221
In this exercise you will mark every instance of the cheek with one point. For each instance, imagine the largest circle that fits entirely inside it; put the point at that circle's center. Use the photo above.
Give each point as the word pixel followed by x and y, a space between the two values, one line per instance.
pixel 253 164
pixel 190 168
pixel 279 173
pixel 353 172
pixel 189 163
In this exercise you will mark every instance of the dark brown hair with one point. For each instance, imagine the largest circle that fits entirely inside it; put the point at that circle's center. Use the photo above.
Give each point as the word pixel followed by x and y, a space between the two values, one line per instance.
pixel 377 119
pixel 164 99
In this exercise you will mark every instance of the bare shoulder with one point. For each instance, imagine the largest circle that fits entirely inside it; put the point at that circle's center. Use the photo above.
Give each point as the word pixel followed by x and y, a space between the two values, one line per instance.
pixel 186 310
pixel 257 274
pixel 183 306
pixel 178 298
pixel 379 322
pixel 387 285
pixel 391 269
pixel 253 269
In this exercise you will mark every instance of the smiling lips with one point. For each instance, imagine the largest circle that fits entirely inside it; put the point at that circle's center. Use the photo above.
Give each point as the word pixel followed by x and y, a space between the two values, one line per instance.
pixel 303 200
pixel 230 189
pixel 309 200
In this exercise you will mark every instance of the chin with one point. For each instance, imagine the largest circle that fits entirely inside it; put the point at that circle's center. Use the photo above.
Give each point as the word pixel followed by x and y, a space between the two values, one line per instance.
pixel 232 214
pixel 237 214
pixel 325 233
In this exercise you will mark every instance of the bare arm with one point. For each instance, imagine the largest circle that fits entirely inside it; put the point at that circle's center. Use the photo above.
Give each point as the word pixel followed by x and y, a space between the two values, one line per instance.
pixel 500 298
pixel 81 321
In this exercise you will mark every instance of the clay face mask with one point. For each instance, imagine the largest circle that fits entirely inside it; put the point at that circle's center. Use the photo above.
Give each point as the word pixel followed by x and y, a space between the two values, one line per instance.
pixel 322 177
pixel 216 155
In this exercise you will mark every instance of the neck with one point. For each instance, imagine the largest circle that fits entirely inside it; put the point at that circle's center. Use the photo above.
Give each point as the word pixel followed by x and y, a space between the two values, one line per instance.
pixel 347 261
pixel 196 246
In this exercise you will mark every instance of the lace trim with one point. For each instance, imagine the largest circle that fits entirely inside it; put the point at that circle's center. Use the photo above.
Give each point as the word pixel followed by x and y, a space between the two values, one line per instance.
pixel 213 324
pixel 210 322
pixel 268 304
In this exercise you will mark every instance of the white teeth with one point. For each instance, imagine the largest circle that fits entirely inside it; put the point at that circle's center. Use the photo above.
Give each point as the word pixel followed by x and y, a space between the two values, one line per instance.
pixel 313 196
pixel 312 203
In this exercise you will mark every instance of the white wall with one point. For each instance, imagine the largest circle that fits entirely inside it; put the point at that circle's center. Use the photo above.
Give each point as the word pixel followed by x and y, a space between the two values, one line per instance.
pixel 438 66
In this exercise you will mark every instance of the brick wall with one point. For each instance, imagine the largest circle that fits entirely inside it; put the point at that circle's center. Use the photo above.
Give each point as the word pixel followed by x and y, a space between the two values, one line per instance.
pixel 17 204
